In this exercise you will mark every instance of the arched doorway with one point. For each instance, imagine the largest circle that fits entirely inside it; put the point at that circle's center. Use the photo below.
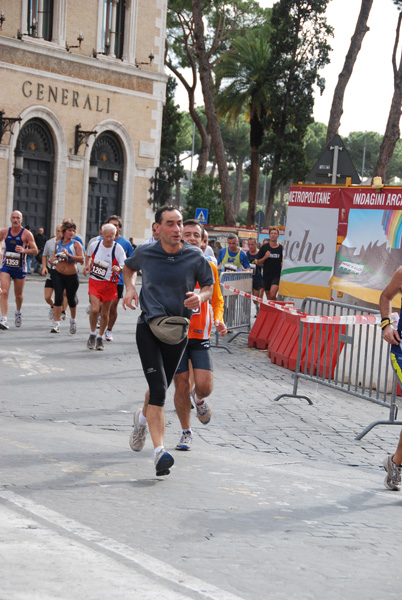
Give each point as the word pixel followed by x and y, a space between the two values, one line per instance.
pixel 104 197
pixel 33 191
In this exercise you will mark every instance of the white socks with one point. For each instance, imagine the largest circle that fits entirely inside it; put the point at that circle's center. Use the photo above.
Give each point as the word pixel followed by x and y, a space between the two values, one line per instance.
pixel 142 420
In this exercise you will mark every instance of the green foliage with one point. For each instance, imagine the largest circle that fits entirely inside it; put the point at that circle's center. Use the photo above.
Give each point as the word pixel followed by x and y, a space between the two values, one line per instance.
pixel 205 193
pixel 244 70
pixel 223 21
pixel 355 143
pixel 236 137
pixel 299 49
pixel 170 169
pixel 314 142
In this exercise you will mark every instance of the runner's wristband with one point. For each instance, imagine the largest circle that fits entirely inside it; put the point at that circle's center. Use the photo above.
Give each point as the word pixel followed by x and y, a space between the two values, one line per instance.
pixel 385 322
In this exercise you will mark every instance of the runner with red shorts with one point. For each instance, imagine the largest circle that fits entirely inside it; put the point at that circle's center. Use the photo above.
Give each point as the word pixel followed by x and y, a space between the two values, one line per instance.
pixel 104 261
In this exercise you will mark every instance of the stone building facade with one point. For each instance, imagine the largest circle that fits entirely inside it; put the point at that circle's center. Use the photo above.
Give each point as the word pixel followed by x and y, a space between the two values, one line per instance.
pixel 82 94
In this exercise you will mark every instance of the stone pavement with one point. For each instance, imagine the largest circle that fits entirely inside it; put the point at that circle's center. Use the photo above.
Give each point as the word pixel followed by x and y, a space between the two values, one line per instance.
pixel 276 500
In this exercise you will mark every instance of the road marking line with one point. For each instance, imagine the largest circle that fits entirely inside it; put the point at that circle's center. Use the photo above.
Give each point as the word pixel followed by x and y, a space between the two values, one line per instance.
pixel 154 566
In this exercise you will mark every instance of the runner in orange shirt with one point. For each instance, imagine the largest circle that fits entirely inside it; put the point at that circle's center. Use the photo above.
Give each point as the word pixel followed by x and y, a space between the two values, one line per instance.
pixel 198 350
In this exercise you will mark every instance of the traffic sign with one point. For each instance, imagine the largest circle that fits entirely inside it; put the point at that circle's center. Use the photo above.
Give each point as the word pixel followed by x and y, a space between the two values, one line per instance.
pixel 201 214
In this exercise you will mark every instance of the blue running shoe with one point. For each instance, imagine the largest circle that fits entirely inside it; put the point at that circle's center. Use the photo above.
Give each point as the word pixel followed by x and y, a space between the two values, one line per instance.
pixel 185 441
pixel 163 462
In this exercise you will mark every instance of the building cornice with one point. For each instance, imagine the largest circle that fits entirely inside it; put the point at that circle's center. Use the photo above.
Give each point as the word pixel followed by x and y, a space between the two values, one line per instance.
pixel 46 57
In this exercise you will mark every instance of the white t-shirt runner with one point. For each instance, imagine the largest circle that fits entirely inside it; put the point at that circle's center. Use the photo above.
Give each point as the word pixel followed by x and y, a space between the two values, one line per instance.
pixel 101 269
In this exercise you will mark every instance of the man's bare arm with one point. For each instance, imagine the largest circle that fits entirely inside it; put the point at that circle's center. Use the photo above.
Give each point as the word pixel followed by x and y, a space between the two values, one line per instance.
pixel 394 287
pixel 130 277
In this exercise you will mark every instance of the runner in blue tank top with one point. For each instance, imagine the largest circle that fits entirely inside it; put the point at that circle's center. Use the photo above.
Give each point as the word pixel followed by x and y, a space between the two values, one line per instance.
pixel 19 242
pixel 67 254
pixel 393 463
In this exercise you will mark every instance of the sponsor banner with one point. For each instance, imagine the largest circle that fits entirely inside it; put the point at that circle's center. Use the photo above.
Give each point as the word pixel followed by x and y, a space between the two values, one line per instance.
pixel 385 200
pixel 369 228
pixel 314 196
pixel 371 252
pixel 302 290
pixel 309 249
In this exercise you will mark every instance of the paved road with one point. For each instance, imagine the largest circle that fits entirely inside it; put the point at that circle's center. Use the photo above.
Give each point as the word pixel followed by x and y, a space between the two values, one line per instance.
pixel 276 500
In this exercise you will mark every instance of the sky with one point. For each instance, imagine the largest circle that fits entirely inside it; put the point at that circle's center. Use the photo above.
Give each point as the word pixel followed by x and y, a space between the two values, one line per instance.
pixel 369 92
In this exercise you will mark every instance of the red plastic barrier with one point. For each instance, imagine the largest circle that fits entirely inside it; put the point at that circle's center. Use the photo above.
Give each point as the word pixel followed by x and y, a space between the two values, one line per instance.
pixel 264 324
pixel 284 341
pixel 284 344
pixel 278 332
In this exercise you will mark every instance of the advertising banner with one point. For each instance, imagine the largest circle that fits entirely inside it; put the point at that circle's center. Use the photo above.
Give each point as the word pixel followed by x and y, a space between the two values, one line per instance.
pixel 371 252
pixel 309 245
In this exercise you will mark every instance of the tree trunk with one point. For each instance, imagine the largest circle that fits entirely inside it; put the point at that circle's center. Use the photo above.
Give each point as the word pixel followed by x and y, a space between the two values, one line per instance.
pixel 213 169
pixel 178 194
pixel 205 147
pixel 344 76
pixel 283 190
pixel 239 187
pixel 253 185
pixel 213 123
pixel 273 188
pixel 270 204
pixel 392 131
pixel 205 137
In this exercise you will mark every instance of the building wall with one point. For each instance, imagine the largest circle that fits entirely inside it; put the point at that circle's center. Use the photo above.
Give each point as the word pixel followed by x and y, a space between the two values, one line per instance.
pixel 42 80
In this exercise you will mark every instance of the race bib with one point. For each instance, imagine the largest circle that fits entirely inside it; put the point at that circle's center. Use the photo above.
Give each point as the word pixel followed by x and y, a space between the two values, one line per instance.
pixel 99 269
pixel 12 259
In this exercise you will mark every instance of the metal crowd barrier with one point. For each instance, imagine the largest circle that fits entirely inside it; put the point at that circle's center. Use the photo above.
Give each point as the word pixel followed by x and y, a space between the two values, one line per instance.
pixel 237 308
pixel 354 359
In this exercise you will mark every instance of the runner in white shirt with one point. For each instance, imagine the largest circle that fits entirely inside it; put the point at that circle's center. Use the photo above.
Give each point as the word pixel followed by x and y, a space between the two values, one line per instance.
pixel 104 261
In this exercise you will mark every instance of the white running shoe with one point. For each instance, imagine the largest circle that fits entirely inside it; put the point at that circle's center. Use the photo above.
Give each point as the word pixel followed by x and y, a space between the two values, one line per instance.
pixel 185 441
pixel 18 319
pixel 204 412
pixel 73 327
pixel 51 314
pixel 98 322
pixel 3 323
pixel 108 335
pixel 138 435
pixel 392 480
pixel 55 329
pixel 163 461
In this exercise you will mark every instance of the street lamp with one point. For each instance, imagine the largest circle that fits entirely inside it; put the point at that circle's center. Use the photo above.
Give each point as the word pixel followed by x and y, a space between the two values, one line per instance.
pixel 93 172
pixel 19 162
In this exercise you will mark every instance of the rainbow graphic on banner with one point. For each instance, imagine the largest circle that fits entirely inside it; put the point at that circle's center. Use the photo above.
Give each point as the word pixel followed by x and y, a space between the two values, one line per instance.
pixel 392 225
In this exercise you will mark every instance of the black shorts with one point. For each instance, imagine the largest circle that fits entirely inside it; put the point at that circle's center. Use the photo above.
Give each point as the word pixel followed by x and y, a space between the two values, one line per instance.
pixel 257 285
pixel 159 361
pixel 199 352
pixel 269 282
pixel 49 283
pixel 120 290
pixel 62 282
